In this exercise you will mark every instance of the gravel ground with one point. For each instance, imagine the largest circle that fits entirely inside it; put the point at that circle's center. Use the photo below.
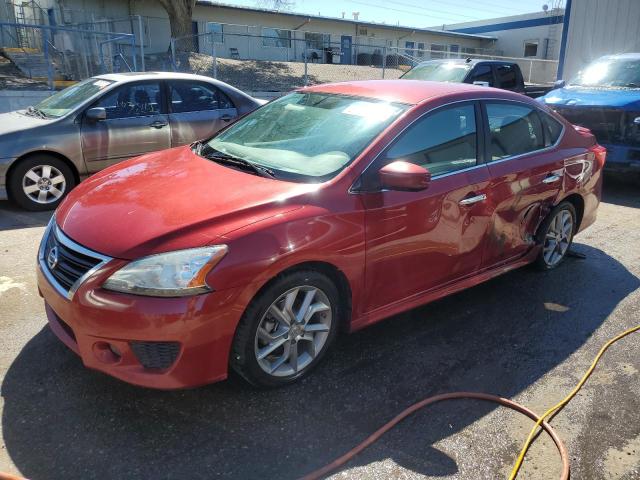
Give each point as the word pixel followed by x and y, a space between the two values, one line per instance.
pixel 526 335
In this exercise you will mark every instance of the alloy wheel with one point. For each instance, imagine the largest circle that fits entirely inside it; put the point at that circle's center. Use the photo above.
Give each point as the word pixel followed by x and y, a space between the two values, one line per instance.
pixel 558 238
pixel 44 184
pixel 293 331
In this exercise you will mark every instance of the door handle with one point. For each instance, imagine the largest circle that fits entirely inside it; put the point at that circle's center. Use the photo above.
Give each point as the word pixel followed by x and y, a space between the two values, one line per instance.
pixel 551 178
pixel 158 124
pixel 472 200
pixel 226 117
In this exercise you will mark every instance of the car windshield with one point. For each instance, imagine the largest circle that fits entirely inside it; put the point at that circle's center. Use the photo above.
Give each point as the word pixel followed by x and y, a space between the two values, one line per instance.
pixel 308 137
pixel 610 72
pixel 63 102
pixel 438 72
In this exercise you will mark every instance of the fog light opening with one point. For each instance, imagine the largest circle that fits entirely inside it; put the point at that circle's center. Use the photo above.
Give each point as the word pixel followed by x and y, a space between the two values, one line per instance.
pixel 106 353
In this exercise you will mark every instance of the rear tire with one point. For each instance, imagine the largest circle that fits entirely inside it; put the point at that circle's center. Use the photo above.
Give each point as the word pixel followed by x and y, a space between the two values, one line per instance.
pixel 40 182
pixel 287 329
pixel 556 236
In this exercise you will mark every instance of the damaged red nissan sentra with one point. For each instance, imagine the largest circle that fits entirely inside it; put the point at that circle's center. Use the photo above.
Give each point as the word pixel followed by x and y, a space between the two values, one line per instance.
pixel 328 209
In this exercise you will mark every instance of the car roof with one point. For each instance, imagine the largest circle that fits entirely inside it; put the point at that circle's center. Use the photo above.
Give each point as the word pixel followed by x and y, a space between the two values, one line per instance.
pixel 467 61
pixel 402 91
pixel 630 55
pixel 127 76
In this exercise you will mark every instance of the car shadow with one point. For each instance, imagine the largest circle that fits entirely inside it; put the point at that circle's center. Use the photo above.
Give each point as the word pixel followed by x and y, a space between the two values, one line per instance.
pixel 12 217
pixel 61 420
pixel 621 190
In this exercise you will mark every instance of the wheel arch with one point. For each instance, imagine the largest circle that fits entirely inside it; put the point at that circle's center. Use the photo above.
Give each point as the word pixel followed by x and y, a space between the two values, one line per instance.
pixel 59 156
pixel 577 201
pixel 330 270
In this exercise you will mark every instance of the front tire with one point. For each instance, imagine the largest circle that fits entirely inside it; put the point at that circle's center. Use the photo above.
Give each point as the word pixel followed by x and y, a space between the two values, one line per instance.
pixel 556 235
pixel 287 329
pixel 40 182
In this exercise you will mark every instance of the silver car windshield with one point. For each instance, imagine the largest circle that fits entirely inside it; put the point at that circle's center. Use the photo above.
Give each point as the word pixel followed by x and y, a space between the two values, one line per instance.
pixel 610 72
pixel 63 102
pixel 438 72
pixel 307 136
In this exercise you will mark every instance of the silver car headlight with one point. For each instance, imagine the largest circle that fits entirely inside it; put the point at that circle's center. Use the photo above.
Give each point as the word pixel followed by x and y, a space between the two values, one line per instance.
pixel 172 274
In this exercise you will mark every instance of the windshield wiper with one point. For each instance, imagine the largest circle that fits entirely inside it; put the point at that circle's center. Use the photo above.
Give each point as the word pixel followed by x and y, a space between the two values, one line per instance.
pixel 33 111
pixel 221 157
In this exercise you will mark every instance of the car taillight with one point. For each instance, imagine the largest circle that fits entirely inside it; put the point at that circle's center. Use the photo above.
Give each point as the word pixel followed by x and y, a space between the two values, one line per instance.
pixel 600 153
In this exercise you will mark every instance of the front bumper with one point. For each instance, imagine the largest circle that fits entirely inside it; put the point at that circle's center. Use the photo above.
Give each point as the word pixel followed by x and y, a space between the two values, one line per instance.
pixel 95 323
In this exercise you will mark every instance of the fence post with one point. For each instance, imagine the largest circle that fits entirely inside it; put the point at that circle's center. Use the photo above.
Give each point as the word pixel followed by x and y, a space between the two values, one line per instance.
pixel 47 59
pixel 141 43
pixel 213 54
pixel 172 44
pixel 133 52
pixel 384 60
pixel 306 61
pixel 530 68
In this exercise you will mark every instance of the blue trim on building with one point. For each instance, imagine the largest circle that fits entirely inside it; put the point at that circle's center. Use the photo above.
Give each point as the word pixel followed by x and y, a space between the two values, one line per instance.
pixel 496 27
pixel 563 41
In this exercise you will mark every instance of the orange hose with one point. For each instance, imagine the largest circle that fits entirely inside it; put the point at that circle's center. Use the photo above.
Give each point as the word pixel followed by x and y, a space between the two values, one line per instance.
pixel 8 476
pixel 338 462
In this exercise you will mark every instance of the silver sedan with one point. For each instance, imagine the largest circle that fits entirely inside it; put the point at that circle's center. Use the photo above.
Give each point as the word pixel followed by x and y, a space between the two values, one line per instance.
pixel 47 149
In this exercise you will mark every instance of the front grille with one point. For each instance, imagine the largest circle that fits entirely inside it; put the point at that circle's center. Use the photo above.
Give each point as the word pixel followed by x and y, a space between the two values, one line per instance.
pixel 156 355
pixel 609 125
pixel 64 261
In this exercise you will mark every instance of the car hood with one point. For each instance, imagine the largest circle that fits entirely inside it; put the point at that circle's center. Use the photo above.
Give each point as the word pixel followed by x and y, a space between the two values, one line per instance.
pixel 169 200
pixel 605 97
pixel 13 122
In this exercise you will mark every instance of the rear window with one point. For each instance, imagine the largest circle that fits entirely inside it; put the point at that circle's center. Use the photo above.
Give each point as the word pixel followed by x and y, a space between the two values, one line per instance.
pixel 552 128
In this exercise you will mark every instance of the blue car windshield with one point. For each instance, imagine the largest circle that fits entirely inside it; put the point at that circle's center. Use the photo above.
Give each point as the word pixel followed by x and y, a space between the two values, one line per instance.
pixel 610 72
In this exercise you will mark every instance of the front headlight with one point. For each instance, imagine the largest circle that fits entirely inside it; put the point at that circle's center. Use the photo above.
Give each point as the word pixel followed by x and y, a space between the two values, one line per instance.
pixel 172 274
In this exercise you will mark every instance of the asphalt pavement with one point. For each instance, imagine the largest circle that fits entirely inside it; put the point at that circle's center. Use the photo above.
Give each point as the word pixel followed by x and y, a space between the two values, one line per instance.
pixel 525 335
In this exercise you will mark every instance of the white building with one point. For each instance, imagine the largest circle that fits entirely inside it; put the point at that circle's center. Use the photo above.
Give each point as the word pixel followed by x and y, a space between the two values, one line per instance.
pixel 260 34
pixel 531 35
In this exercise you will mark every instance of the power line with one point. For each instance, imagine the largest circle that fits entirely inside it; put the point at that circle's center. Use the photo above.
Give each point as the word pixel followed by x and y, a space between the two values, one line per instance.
pixel 504 11
pixel 368 4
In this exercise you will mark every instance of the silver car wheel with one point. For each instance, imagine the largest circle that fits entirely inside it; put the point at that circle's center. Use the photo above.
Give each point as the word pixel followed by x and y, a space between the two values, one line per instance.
pixel 44 184
pixel 558 238
pixel 293 331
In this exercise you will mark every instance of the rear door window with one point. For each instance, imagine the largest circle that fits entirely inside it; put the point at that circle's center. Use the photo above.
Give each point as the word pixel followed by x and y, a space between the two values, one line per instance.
pixel 552 128
pixel 197 97
pixel 514 129
pixel 507 77
pixel 482 73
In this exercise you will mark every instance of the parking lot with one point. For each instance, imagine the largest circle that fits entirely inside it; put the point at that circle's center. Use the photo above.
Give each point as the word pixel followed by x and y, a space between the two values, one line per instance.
pixel 526 335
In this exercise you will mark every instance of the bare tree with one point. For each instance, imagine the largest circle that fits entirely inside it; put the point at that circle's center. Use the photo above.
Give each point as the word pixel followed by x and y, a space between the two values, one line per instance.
pixel 277 5
pixel 180 14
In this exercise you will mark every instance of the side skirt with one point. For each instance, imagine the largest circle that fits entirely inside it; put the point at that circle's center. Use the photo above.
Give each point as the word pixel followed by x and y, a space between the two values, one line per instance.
pixel 423 298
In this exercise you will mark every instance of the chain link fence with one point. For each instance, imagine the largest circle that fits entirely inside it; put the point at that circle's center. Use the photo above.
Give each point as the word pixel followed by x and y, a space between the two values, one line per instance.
pixel 280 62
pixel 55 53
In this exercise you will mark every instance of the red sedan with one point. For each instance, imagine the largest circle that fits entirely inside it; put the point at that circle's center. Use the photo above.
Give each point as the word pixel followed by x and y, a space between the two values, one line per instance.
pixel 328 209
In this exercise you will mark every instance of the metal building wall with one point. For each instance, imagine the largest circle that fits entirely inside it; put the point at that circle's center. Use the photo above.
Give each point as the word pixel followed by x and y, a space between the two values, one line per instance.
pixel 600 27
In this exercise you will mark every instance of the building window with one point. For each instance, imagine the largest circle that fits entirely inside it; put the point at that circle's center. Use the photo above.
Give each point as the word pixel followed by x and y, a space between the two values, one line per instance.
pixel 274 37
pixel 410 47
pixel 420 52
pixel 217 30
pixel 317 41
pixel 362 32
pixel 437 50
pixel 531 49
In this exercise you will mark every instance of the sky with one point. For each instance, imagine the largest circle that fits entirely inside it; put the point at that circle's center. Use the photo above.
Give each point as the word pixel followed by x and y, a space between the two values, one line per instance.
pixel 412 13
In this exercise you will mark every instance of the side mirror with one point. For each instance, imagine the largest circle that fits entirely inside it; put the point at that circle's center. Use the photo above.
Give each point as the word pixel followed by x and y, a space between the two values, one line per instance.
pixel 482 84
pixel 559 84
pixel 404 176
pixel 95 114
